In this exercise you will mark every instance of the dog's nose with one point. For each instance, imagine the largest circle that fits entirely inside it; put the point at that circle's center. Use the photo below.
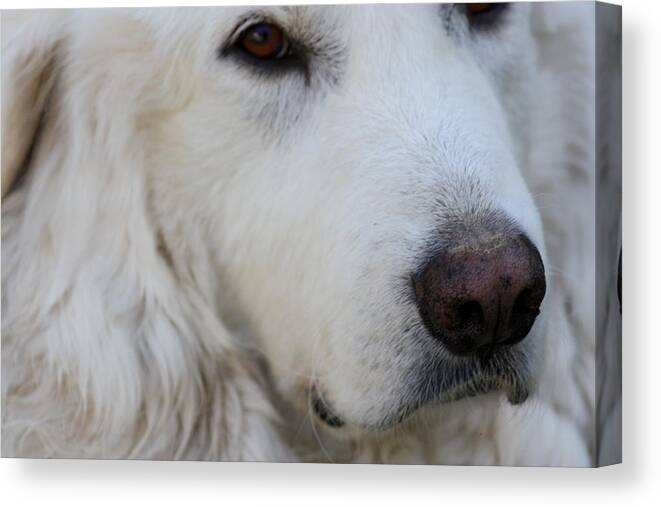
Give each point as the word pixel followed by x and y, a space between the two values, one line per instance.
pixel 482 293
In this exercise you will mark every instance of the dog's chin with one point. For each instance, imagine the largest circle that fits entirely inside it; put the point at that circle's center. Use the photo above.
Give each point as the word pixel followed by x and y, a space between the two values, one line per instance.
pixel 506 374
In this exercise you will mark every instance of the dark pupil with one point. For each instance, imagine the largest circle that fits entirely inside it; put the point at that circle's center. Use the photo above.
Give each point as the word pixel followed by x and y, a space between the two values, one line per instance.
pixel 262 34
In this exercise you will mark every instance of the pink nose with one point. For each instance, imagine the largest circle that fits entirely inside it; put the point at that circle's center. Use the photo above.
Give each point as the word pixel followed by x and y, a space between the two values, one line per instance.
pixel 482 294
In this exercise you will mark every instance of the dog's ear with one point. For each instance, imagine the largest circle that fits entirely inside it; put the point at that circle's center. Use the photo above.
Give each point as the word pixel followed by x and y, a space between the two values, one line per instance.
pixel 29 62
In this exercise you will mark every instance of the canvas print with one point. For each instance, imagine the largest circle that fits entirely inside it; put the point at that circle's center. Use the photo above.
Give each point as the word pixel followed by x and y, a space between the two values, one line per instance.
pixel 341 234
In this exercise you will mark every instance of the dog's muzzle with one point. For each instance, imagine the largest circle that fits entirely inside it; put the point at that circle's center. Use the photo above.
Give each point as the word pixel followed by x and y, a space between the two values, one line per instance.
pixel 478 298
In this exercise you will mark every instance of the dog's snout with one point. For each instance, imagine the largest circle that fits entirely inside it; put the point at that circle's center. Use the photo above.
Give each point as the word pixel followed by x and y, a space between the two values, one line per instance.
pixel 480 294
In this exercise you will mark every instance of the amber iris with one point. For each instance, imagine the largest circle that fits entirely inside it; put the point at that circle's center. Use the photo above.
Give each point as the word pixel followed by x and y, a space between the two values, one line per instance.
pixel 265 41
pixel 478 8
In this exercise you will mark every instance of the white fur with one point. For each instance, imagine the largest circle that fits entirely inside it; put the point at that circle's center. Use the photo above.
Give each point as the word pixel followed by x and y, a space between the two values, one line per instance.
pixel 193 246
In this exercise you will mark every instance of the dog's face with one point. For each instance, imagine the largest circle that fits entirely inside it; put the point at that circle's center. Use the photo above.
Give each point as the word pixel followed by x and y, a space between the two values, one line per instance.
pixel 348 182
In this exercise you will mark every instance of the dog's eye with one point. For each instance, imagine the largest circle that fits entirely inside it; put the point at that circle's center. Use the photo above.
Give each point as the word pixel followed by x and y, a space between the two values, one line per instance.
pixel 484 15
pixel 265 41
pixel 264 47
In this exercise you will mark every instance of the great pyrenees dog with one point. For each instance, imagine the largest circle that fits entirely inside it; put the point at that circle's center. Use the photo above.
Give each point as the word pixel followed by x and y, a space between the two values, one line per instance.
pixel 311 233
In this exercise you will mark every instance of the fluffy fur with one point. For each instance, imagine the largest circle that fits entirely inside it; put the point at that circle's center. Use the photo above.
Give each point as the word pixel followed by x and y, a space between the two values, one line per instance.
pixel 192 249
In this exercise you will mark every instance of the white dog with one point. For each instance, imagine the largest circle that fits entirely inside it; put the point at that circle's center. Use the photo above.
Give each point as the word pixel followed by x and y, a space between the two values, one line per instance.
pixel 299 233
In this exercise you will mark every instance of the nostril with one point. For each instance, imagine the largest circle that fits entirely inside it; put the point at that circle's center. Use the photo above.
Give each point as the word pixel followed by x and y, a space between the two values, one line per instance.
pixel 464 329
pixel 471 316
pixel 524 313
pixel 523 303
